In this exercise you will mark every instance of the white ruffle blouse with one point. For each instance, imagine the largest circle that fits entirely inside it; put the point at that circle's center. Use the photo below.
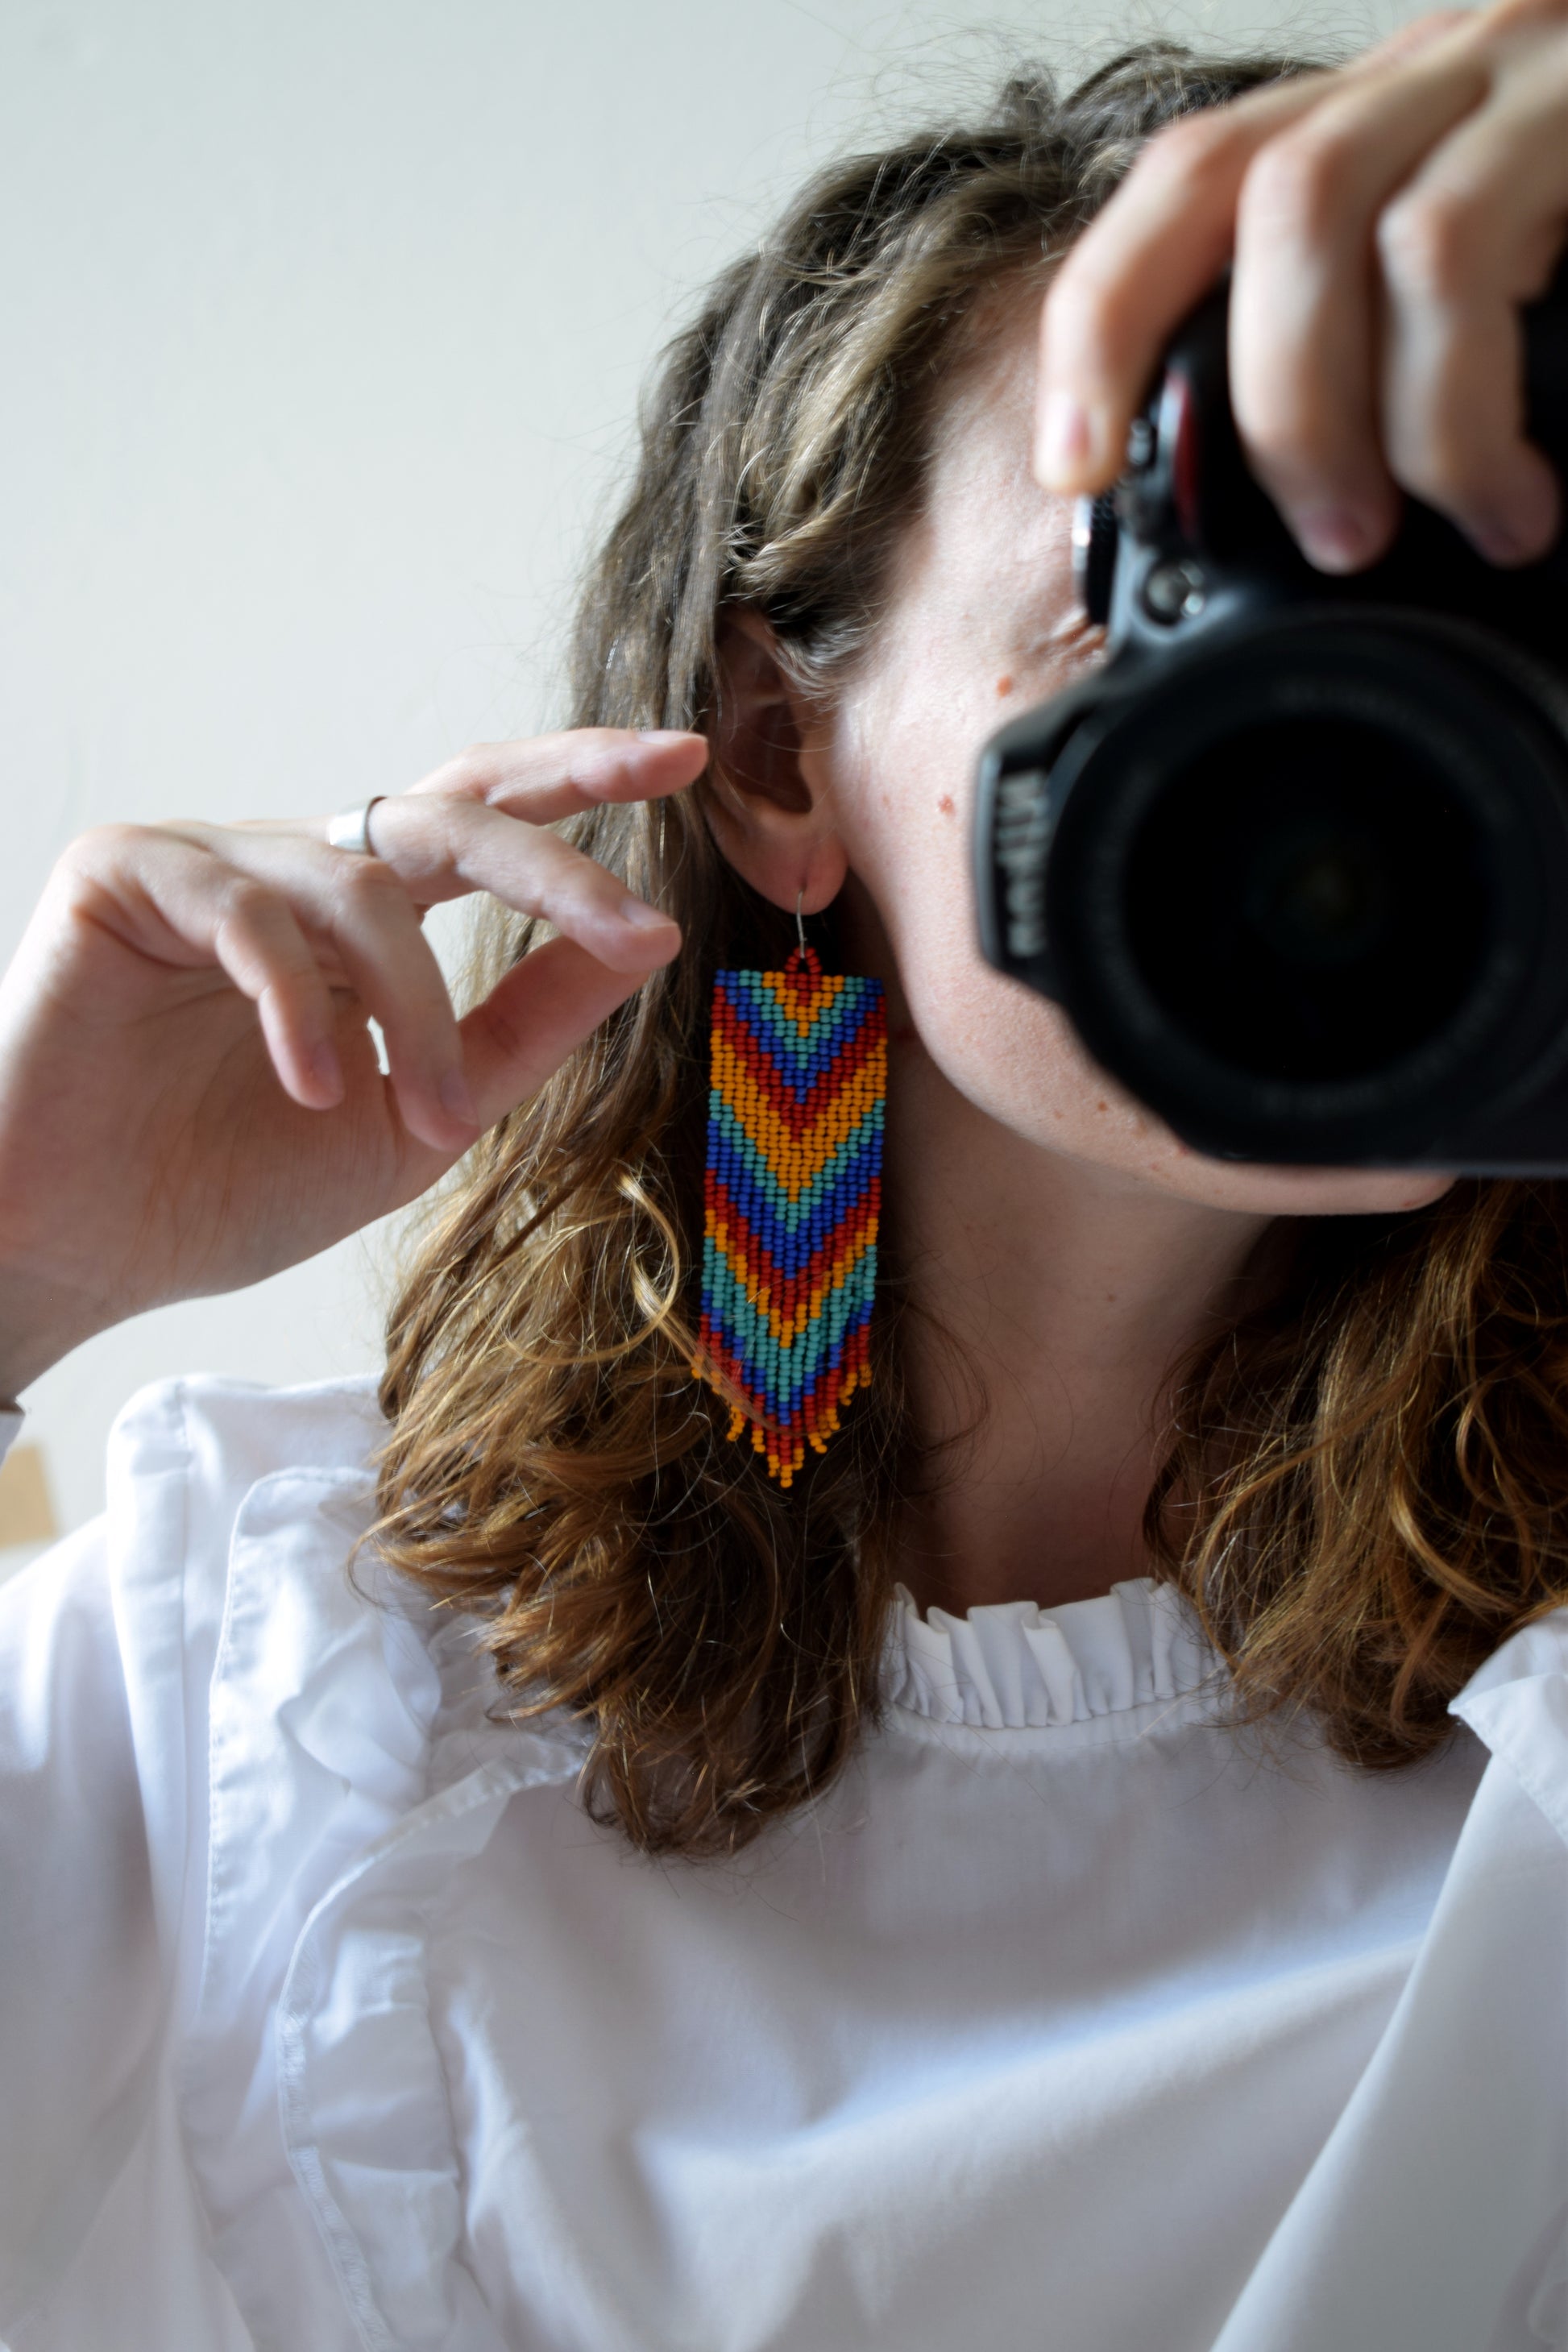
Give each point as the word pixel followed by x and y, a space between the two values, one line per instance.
pixel 1068 2018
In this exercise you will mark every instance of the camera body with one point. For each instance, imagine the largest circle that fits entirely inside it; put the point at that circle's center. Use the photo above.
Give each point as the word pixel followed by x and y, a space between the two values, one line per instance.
pixel 1294 860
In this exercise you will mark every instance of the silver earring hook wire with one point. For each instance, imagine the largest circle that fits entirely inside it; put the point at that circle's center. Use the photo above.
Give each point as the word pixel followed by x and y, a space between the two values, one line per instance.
pixel 799 926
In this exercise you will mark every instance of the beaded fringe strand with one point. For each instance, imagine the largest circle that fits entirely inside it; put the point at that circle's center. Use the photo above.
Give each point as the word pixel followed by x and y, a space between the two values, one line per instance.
pixel 792 1192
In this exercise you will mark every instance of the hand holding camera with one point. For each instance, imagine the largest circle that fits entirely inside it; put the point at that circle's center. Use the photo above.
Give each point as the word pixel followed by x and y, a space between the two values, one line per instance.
pixel 1296 862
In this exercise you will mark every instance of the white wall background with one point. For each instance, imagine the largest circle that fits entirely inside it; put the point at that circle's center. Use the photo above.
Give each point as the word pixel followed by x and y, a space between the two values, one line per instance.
pixel 324 322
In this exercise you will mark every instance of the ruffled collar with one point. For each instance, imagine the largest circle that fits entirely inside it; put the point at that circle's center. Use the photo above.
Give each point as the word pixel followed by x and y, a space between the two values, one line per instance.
pixel 1013 1666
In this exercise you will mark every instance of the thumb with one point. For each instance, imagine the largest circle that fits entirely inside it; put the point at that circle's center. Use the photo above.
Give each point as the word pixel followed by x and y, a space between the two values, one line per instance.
pixel 532 1019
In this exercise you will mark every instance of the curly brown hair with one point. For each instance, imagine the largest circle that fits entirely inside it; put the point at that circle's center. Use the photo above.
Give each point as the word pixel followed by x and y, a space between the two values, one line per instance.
pixel 1366 1485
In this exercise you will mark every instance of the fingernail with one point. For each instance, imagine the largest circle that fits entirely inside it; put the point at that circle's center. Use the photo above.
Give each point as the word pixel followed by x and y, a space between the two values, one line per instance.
pixel 641 916
pixel 326 1067
pixel 1501 540
pixel 663 734
pixel 1336 539
pixel 1067 442
pixel 457 1101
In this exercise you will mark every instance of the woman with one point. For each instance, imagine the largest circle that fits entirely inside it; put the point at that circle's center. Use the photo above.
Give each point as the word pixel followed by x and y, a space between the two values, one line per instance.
pixel 1035 1954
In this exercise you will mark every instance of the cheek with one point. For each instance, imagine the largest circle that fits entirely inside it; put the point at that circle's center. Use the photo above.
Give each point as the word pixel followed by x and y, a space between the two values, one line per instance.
pixel 1015 1057
pixel 911 757
pixel 1008 1051
pixel 908 811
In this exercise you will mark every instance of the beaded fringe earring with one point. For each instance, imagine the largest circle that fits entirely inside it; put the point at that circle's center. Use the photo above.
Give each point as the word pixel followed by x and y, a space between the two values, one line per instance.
pixel 793 1194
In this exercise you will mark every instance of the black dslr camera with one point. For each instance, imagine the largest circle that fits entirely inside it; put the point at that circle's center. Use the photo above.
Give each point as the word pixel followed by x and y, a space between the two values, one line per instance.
pixel 1295 860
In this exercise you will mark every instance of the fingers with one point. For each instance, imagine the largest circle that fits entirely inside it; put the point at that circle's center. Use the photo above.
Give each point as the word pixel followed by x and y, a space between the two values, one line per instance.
pixel 474 825
pixel 361 914
pixel 443 849
pixel 1471 236
pixel 175 904
pixel 1158 247
pixel 259 942
pixel 360 906
pixel 1386 223
pixel 544 1008
pixel 294 923
pixel 1305 320
pixel 286 922
pixel 549 777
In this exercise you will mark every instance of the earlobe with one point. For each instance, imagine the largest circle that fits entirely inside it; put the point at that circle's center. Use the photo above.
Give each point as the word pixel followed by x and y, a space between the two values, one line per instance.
pixel 769 803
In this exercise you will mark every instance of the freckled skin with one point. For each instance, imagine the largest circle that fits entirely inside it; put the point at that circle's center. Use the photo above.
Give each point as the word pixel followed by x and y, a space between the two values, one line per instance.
pixel 983 602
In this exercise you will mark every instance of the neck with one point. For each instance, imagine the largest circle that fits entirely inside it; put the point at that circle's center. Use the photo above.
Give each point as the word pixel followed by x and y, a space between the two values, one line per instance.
pixel 1052 1301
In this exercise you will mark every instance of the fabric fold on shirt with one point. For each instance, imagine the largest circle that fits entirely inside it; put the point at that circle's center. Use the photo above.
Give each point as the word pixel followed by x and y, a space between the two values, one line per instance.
pixel 1013 1667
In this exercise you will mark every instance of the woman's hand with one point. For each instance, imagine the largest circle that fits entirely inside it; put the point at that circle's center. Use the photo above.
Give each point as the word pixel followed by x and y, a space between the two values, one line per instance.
pixel 190 1096
pixel 1386 221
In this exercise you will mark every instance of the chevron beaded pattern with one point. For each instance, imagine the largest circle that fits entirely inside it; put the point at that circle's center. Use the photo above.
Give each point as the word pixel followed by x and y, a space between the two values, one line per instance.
pixel 793 1194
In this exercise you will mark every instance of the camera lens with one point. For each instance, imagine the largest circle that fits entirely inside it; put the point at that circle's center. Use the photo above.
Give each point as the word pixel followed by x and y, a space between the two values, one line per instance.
pixel 1301 885
pixel 1307 899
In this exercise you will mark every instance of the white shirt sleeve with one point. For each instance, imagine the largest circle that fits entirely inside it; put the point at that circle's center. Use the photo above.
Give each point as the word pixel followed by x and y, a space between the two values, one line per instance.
pixel 80 1972
pixel 110 1645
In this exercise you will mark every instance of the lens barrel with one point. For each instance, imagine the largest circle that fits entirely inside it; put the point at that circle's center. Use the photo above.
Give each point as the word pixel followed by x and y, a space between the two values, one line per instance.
pixel 1300 884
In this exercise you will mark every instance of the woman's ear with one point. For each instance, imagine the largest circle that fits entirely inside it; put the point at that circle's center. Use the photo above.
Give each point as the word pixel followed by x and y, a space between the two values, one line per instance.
pixel 771 802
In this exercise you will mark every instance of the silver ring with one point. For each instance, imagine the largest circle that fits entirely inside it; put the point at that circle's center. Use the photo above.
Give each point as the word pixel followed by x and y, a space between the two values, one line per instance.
pixel 350 829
